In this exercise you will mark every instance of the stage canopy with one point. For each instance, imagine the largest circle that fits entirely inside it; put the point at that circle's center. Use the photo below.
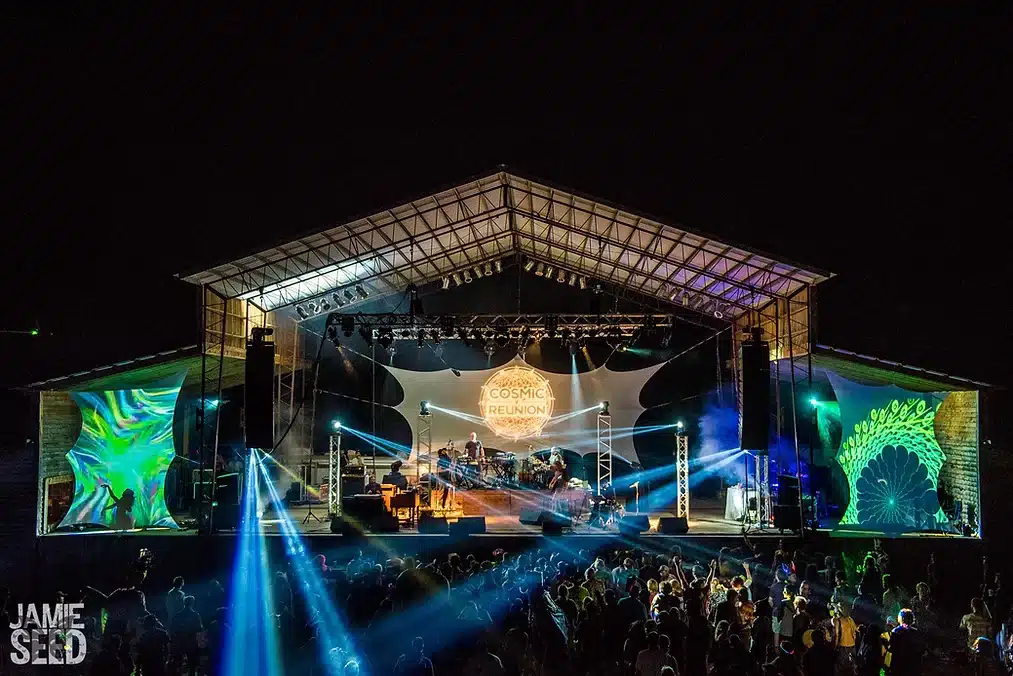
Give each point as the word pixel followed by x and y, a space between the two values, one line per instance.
pixel 485 220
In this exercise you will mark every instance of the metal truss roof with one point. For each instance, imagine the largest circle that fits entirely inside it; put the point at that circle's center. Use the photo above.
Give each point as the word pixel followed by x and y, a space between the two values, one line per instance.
pixel 503 215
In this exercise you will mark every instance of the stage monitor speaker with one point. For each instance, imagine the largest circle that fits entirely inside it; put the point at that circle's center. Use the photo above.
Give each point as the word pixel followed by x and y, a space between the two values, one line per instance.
pixel 386 523
pixel 259 392
pixel 552 523
pixel 346 528
pixel 432 525
pixel 787 517
pixel 755 361
pixel 468 525
pixel 226 516
pixel 531 517
pixel 634 524
pixel 673 525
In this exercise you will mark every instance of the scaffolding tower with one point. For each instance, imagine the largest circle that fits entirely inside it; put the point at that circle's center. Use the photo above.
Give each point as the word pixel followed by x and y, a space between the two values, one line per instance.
pixel 334 475
pixel 425 450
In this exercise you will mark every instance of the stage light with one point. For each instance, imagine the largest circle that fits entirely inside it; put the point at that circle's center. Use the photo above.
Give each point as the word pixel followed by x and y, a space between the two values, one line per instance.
pixel 679 425
pixel 338 300
pixel 446 283
pixel 490 348
pixel 564 334
pixel 312 307
pixel 478 271
pixel 548 271
pixel 301 311
pixel 423 407
pixel 457 279
pixel 623 346
pixel 367 335
pixel 447 325
pixel 422 338
pixel 572 345
pixel 814 402
pixel 463 336
pixel 502 339
pixel 540 271
pixel 349 295
pixel 488 268
pixel 336 425
pixel 604 408
pixel 347 325
pixel 561 277
pixel 467 277
pixel 361 292
pixel 528 265
pixel 583 283
pixel 573 278
pixel 385 338
pixel 499 266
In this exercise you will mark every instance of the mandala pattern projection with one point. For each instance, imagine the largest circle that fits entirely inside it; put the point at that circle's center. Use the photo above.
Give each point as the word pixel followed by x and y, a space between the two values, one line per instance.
pixel 891 458
pixel 516 402
pixel 122 455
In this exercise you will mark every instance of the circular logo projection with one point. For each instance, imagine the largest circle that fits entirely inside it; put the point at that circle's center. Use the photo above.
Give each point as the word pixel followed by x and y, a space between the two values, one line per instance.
pixel 516 402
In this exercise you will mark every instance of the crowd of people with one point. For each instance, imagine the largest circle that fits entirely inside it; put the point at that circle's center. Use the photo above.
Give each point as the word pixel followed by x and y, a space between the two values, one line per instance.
pixel 622 611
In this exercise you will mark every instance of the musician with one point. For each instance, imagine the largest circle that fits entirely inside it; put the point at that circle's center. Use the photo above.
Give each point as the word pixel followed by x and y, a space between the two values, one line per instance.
pixel 395 477
pixel 373 488
pixel 446 466
pixel 558 469
pixel 474 449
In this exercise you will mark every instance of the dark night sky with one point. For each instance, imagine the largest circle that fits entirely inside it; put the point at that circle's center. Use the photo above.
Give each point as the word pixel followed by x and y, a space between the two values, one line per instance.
pixel 140 143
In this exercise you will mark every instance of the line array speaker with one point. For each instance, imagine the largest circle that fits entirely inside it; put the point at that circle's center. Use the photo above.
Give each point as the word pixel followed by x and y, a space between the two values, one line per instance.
pixel 259 391
pixel 755 361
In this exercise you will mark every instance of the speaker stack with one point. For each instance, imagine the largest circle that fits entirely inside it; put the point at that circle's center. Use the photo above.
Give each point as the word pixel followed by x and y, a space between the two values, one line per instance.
pixel 786 511
pixel 259 390
pixel 754 356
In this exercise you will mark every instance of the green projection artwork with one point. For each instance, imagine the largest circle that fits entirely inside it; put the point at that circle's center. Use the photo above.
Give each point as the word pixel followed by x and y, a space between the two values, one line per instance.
pixel 122 455
pixel 890 457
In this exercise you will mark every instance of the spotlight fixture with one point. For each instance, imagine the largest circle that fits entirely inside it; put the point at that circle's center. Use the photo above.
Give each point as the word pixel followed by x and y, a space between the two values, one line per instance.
pixel 367 335
pixel 446 283
pixel 573 278
pixel 338 300
pixel 423 407
pixel 347 325
pixel 583 283
pixel 679 425
pixel 540 270
pixel 361 292
pixel 499 266
pixel 467 277
pixel 528 265
pixel 457 279
pixel 385 338
pixel 336 425
pixel 623 346
pixel 490 348
pixel 301 311
pixel 603 408
pixel 422 338
pixel 349 295
pixel 548 271
pixel 564 334
pixel 814 402
pixel 312 307
pixel 488 268
pixel 463 335
pixel 478 271
pixel 572 345
pixel 325 305
pixel 561 277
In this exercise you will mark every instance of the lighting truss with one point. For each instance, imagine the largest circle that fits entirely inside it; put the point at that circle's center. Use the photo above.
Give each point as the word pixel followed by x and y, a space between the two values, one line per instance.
pixel 514 327
pixel 334 475
pixel 682 475
pixel 604 451
pixel 424 449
